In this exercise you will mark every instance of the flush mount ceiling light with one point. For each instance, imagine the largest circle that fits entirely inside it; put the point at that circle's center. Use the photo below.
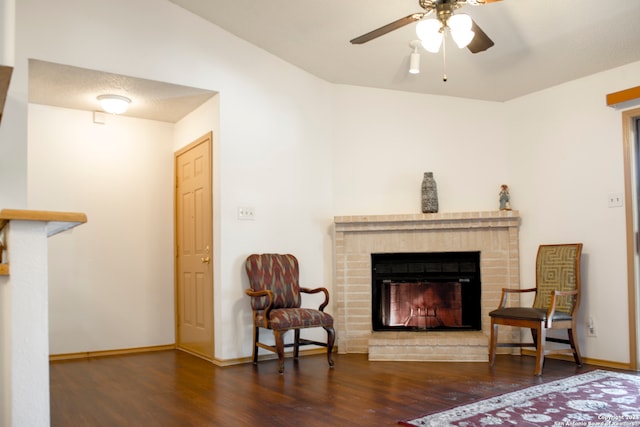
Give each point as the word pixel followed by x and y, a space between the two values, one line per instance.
pixel 114 104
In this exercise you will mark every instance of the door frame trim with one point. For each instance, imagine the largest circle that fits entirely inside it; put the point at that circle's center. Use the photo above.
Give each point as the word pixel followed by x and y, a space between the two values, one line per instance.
pixel 628 118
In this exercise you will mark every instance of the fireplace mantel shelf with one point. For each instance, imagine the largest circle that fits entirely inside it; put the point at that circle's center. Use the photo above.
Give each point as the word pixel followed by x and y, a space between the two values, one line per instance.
pixel 445 220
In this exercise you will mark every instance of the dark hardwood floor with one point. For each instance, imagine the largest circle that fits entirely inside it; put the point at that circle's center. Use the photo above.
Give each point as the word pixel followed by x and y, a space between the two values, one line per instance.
pixel 172 388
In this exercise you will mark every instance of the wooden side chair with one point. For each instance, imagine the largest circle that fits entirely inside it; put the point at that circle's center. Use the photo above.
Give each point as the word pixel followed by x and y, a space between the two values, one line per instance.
pixel 276 299
pixel 557 297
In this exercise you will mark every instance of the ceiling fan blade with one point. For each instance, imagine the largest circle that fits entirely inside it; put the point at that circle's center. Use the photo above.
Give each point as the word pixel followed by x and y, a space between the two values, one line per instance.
pixel 388 28
pixel 480 41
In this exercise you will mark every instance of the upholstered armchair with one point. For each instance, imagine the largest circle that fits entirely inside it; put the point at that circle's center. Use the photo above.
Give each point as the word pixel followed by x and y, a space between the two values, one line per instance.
pixel 557 297
pixel 276 302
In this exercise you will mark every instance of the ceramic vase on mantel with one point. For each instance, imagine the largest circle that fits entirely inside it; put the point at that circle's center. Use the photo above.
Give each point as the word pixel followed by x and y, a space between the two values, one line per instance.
pixel 429 194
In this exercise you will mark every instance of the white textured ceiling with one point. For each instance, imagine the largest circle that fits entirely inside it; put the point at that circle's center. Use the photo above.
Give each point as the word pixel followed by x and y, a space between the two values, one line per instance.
pixel 538 43
pixel 77 88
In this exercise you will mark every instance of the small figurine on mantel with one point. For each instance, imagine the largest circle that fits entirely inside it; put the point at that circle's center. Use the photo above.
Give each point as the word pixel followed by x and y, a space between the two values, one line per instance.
pixel 505 198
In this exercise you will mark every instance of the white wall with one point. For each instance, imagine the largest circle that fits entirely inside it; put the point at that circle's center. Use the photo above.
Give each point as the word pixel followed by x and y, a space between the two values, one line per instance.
pixel 287 145
pixel 384 142
pixel 111 281
pixel 24 401
pixel 276 157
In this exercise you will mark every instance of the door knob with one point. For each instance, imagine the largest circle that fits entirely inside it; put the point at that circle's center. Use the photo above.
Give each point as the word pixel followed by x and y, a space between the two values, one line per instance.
pixel 205 260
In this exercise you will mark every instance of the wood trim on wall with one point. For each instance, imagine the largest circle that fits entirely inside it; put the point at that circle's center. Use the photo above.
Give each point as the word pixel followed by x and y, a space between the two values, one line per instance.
pixel 585 360
pixel 217 362
pixel 623 96
pixel 270 356
pixel 104 353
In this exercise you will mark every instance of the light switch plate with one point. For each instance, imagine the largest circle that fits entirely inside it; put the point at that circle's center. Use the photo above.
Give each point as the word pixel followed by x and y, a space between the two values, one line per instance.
pixel 246 213
pixel 616 200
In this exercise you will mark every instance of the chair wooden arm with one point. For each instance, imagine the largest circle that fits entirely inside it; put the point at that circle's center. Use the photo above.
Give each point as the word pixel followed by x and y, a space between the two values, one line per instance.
pixel 262 293
pixel 507 291
pixel 552 306
pixel 315 291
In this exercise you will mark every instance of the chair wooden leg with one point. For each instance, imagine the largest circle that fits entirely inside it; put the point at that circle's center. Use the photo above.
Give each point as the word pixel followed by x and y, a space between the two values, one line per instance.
pixel 296 343
pixel 256 336
pixel 574 346
pixel 493 343
pixel 279 339
pixel 541 336
pixel 331 336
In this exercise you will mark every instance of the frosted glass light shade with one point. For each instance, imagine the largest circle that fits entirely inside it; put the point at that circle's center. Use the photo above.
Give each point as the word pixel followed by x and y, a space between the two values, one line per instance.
pixel 462 38
pixel 433 43
pixel 427 27
pixel 428 31
pixel 114 104
pixel 459 22
pixel 460 26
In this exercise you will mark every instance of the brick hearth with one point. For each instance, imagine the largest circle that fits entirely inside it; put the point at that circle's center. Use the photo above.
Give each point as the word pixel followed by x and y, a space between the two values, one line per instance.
pixel 494 234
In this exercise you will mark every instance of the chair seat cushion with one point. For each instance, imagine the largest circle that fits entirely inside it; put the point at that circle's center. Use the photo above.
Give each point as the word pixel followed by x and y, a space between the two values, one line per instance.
pixel 528 313
pixel 295 318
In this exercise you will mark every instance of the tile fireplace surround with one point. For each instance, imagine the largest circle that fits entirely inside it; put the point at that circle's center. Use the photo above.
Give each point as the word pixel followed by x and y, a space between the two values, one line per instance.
pixel 494 234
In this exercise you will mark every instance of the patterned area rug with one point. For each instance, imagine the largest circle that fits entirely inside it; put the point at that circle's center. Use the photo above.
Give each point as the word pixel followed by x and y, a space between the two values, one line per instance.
pixel 597 398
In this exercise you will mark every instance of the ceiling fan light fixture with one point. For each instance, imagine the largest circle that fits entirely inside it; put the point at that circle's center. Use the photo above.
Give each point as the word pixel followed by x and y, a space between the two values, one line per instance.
pixel 114 104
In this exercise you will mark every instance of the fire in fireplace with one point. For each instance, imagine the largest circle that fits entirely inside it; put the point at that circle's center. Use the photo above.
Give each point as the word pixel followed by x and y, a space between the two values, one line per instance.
pixel 426 291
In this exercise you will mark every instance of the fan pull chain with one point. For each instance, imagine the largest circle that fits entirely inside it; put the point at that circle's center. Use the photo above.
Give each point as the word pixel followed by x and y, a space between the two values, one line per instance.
pixel 444 60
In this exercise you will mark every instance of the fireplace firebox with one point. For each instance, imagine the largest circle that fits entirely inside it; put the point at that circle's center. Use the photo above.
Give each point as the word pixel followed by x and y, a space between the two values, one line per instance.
pixel 426 291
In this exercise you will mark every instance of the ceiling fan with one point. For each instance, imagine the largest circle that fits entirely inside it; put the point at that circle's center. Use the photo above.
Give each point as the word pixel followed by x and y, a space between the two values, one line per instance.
pixel 444 10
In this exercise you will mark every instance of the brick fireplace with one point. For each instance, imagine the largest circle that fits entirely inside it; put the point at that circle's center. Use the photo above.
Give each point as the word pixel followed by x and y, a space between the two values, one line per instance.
pixel 493 234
